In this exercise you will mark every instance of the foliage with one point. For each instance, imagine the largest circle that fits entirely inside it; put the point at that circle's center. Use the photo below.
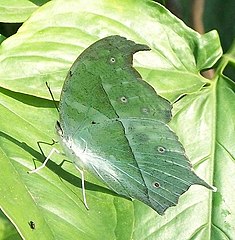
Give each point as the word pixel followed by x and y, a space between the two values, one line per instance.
pixel 204 118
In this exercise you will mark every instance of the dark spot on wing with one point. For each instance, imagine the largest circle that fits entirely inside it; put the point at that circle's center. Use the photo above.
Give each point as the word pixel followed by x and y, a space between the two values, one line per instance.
pixel 123 99
pixel 156 184
pixel 161 149
pixel 112 60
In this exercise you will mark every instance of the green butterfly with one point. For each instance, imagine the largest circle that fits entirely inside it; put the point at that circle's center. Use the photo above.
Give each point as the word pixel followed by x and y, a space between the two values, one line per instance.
pixel 114 125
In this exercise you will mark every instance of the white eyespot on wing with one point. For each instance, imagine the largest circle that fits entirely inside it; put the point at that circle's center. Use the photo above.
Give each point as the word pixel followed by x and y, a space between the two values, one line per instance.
pixel 123 99
pixel 161 149
pixel 112 60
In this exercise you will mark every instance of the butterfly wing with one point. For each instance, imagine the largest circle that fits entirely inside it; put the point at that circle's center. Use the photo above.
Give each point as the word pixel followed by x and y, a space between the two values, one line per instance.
pixel 115 125
pixel 145 162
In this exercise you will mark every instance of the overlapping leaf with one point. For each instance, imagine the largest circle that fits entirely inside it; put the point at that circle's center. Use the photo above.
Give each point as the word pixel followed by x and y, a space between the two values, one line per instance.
pixel 16 11
pixel 50 45
pixel 43 50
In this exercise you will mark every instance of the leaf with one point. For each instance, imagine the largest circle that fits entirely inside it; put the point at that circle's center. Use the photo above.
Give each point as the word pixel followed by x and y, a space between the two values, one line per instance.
pixel 213 114
pixel 7 230
pixel 221 21
pixel 50 47
pixel 2 38
pixel 43 50
pixel 16 11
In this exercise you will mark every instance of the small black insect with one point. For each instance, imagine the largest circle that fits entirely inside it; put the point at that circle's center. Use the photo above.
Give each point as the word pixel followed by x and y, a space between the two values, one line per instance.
pixel 32 224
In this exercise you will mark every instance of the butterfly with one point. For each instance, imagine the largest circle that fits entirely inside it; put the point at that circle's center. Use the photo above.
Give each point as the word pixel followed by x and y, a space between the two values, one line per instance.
pixel 113 124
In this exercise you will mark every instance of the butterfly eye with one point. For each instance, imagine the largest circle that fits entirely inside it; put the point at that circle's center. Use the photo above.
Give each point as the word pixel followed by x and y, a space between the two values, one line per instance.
pixel 112 60
pixel 161 149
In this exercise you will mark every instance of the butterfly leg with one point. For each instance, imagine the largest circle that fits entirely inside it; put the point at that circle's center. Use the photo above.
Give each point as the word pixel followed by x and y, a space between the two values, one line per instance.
pixel 45 162
pixel 83 187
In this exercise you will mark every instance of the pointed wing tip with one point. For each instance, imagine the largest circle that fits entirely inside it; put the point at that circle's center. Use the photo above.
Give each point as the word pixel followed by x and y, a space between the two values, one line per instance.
pixel 211 187
pixel 141 47
pixel 214 189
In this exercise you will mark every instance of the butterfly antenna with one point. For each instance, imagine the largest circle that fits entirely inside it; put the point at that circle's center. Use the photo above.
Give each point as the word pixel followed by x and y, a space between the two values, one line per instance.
pixel 53 99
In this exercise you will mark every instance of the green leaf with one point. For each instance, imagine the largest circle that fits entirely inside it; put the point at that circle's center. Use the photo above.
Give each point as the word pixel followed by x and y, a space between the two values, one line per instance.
pixel 43 50
pixel 219 15
pixel 7 230
pixel 2 38
pixel 209 117
pixel 16 11
pixel 50 47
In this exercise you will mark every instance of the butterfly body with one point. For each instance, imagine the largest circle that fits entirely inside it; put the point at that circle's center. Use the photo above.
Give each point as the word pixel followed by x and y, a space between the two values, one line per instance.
pixel 115 126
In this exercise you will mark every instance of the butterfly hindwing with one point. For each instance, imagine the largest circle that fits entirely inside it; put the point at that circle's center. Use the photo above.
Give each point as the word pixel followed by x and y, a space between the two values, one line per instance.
pixel 146 162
